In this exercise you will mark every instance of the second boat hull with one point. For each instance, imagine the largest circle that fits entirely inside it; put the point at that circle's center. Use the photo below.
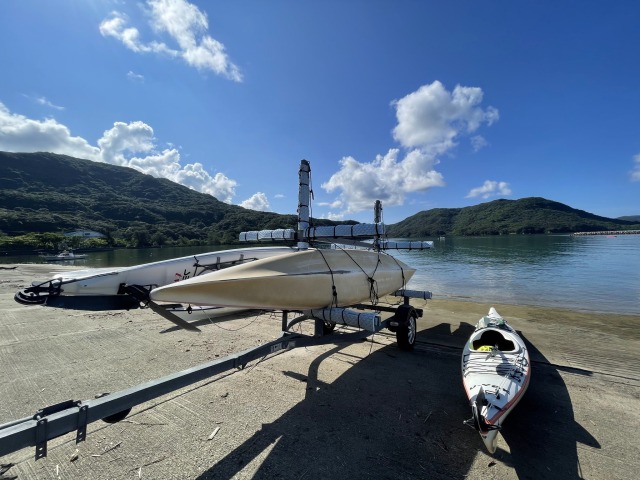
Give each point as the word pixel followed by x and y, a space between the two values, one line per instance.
pixel 302 280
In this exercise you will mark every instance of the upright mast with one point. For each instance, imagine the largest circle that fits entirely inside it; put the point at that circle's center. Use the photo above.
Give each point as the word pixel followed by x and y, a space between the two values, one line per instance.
pixel 303 203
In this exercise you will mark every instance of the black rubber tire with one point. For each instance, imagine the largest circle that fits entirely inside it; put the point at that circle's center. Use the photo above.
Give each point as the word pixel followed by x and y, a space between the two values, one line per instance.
pixel 328 328
pixel 407 329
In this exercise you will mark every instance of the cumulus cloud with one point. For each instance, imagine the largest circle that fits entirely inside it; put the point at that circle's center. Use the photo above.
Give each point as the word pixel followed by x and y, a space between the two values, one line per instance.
pixel 186 26
pixel 257 201
pixel 336 217
pixel 490 188
pixel 21 134
pixel 432 118
pixel 387 178
pixel 635 173
pixel 430 122
pixel 125 144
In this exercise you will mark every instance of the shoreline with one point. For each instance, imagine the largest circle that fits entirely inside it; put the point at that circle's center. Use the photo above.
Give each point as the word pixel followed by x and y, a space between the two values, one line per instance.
pixel 358 410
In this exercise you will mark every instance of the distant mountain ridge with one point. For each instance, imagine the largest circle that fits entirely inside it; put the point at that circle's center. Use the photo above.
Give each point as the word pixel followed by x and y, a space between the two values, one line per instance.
pixel 46 192
pixel 525 216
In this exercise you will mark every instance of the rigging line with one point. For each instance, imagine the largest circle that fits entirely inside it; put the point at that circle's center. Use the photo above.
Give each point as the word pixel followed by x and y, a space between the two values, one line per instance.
pixel 255 319
pixel 334 301
pixel 373 293
pixel 404 281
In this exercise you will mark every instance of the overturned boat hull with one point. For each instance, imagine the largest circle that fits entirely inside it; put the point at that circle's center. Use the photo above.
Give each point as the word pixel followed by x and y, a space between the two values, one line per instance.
pixel 301 280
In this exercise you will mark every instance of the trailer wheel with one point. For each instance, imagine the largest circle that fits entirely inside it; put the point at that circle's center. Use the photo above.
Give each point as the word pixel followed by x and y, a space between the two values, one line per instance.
pixel 328 327
pixel 407 329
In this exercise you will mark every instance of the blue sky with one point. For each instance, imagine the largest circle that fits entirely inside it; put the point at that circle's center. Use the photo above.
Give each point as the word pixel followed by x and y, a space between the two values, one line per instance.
pixel 422 104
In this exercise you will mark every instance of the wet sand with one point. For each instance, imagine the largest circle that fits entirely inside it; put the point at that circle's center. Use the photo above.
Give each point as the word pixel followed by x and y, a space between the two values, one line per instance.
pixel 358 410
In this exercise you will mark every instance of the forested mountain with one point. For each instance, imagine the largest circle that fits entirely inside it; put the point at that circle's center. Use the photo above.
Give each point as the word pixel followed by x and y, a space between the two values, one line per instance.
pixel 45 192
pixel 527 215
pixel 631 218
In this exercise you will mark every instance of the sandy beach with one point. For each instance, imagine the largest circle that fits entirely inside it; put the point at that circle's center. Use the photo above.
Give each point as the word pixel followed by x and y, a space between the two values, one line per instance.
pixel 345 410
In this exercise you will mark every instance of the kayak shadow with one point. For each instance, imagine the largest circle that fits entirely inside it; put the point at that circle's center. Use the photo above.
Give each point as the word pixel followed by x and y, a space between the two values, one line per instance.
pixel 541 431
pixel 391 415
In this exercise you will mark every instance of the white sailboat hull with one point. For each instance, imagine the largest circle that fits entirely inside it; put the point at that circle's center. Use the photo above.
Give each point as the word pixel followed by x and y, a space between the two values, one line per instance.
pixel 303 280
pixel 495 379
pixel 107 281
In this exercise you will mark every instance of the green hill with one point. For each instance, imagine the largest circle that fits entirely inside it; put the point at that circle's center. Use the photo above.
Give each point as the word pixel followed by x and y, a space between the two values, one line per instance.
pixel 630 218
pixel 52 194
pixel 527 215
pixel 45 192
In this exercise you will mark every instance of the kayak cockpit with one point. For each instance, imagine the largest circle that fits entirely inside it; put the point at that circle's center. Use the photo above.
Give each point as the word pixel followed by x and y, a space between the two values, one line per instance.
pixel 492 339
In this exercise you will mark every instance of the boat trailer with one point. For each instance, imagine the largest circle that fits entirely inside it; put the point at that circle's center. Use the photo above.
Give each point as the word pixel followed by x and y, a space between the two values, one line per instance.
pixel 74 415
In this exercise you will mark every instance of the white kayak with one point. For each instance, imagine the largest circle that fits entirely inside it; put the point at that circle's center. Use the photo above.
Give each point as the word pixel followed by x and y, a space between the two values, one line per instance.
pixel 107 281
pixel 303 280
pixel 98 282
pixel 495 375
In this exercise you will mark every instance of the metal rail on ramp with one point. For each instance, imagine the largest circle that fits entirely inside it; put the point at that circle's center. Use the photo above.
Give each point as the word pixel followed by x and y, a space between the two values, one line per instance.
pixel 66 417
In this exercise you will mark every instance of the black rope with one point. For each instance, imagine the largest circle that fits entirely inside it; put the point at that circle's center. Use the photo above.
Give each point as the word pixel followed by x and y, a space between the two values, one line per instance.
pixel 373 290
pixel 334 291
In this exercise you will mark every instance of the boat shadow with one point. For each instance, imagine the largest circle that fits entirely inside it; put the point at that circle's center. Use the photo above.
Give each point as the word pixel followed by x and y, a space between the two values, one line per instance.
pixel 541 431
pixel 390 415
pixel 400 415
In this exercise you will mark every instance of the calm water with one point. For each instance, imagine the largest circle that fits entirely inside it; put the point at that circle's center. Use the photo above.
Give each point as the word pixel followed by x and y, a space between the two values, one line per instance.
pixel 594 273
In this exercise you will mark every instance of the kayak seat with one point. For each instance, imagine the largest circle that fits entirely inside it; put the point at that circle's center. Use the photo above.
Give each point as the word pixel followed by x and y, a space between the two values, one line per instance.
pixel 492 338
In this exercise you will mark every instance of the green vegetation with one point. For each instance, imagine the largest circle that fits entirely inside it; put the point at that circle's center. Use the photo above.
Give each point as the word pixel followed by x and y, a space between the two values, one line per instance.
pixel 501 217
pixel 43 195
pixel 53 194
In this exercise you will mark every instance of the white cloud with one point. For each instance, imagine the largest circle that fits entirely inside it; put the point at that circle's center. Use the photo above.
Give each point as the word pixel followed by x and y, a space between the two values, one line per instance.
pixel 120 145
pixel 635 173
pixel 21 134
pixel 432 118
pixel 386 178
pixel 490 188
pixel 429 123
pixel 187 27
pixel 334 204
pixel 135 77
pixel 478 142
pixel 257 201
pixel 278 195
pixel 47 103
pixel 335 216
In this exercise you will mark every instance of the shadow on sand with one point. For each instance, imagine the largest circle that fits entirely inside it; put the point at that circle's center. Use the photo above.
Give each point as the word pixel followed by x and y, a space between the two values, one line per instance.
pixel 399 415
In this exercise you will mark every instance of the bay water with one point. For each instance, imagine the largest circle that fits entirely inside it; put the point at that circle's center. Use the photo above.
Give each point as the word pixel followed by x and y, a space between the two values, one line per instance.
pixel 596 273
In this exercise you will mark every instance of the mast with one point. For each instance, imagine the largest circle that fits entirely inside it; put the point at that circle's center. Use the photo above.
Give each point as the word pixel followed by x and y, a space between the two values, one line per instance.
pixel 303 203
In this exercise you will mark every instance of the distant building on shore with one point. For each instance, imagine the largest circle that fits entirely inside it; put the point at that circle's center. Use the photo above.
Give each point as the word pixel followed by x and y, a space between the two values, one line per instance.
pixel 85 234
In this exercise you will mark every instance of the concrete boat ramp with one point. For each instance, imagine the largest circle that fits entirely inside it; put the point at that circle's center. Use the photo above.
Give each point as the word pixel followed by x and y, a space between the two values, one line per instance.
pixel 346 410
